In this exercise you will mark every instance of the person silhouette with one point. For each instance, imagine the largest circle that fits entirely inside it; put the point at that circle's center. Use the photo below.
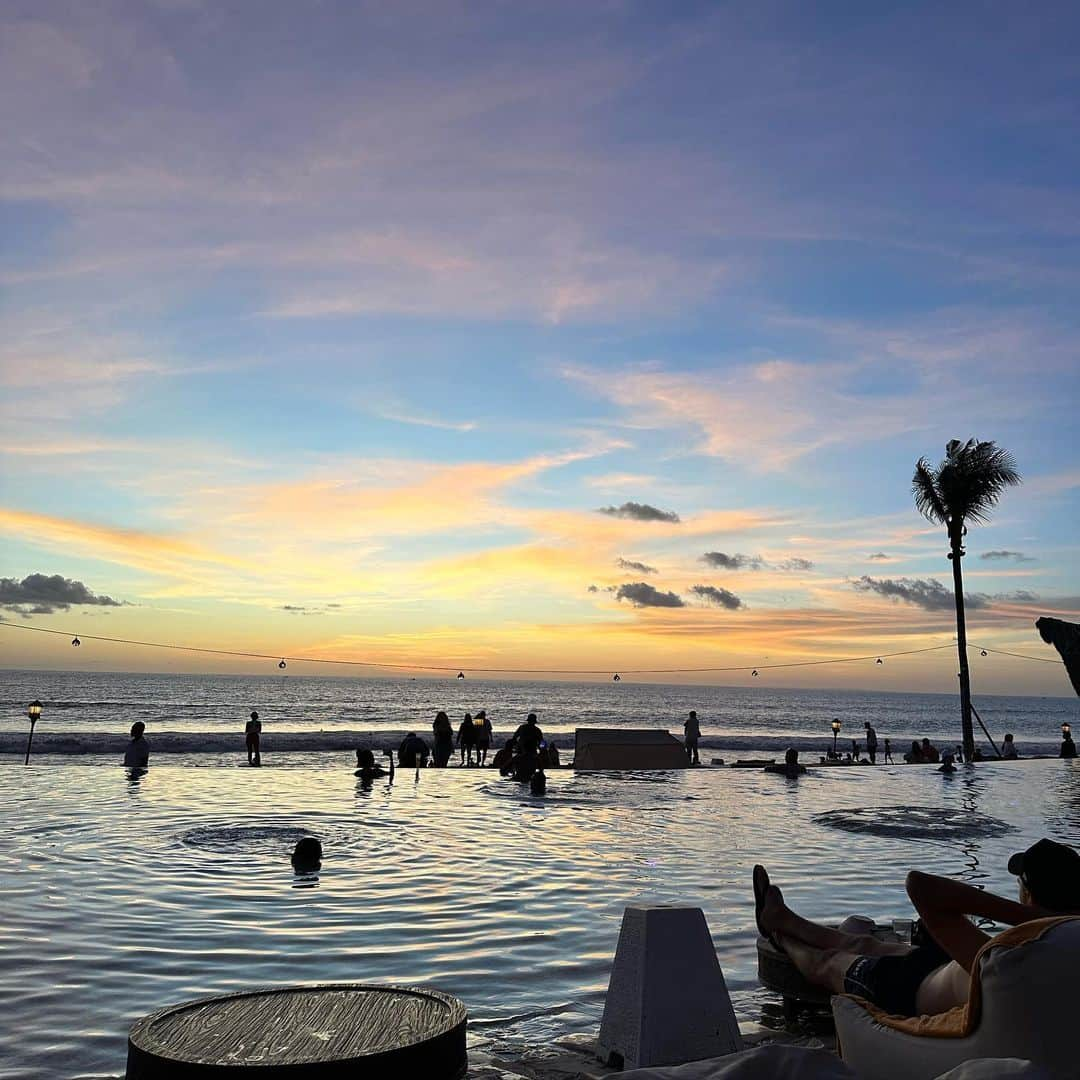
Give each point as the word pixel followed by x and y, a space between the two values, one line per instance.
pixel 692 732
pixel 137 754
pixel 252 731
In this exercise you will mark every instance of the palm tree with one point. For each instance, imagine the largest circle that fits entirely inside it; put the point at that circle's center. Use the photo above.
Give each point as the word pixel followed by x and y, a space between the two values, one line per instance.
pixel 965 487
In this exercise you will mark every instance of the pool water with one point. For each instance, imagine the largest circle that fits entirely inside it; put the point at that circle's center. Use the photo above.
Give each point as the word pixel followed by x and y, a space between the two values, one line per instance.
pixel 123 895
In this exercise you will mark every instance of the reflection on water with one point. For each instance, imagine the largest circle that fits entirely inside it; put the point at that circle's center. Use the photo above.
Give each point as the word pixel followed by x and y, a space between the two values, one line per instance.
pixel 125 894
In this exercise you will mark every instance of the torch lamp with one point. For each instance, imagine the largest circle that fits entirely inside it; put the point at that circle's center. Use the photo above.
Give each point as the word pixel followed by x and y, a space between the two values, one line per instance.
pixel 34 712
pixel 835 733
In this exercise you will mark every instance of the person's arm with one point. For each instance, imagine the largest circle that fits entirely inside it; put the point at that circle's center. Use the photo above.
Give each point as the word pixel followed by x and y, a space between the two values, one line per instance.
pixel 945 905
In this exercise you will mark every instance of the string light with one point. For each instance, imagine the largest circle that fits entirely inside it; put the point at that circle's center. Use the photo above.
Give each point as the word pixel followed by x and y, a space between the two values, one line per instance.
pixel 506 670
pixel 76 642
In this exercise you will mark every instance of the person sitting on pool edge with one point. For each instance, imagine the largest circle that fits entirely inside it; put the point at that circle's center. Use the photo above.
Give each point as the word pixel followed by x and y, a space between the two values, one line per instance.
pixel 932 975
pixel 413 752
pixel 137 754
pixel 307 855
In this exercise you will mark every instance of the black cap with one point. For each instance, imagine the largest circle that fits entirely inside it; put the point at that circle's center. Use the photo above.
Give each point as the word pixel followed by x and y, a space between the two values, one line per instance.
pixel 1051 872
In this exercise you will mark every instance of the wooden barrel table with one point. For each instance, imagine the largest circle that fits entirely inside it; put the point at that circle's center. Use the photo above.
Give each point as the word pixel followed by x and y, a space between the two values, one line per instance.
pixel 320 1032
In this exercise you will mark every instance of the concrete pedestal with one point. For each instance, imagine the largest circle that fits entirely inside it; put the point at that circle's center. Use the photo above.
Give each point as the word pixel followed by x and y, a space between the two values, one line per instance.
pixel 667 1002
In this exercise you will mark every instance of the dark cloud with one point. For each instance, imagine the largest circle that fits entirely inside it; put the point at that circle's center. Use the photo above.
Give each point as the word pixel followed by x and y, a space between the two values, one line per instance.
pixel 300 609
pixel 640 567
pixel 594 588
pixel 640 512
pixel 1002 554
pixel 41 594
pixel 642 594
pixel 718 597
pixel 877 555
pixel 795 563
pixel 927 593
pixel 333 605
pixel 1020 596
pixel 722 561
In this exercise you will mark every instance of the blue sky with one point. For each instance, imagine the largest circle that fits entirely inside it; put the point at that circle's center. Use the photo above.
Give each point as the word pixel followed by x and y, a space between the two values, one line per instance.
pixel 379 305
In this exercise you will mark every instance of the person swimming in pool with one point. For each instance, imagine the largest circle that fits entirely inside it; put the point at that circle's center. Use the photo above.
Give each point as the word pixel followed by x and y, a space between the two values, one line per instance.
pixel 368 769
pixel 137 754
pixel 931 975
pixel 307 855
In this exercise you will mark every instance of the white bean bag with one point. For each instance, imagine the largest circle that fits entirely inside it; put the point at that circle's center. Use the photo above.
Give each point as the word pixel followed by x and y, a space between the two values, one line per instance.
pixel 1021 1004
pixel 771 1062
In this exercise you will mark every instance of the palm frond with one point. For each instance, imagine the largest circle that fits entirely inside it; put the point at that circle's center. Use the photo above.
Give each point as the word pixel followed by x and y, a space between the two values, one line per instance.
pixel 927 498
pixel 967 484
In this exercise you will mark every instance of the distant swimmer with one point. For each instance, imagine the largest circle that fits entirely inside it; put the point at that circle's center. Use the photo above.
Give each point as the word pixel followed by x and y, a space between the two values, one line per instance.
pixel 888 752
pixel 538 783
pixel 1008 750
pixel 368 769
pixel 1068 747
pixel 137 755
pixel 947 765
pixel 791 767
pixel 252 731
pixel 307 855
pixel 692 732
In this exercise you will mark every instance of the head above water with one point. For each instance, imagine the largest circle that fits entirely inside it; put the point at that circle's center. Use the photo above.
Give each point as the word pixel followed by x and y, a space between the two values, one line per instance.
pixel 1008 736
pixel 137 729
pixel 365 759
pixel 791 756
pixel 1049 873
pixel 307 855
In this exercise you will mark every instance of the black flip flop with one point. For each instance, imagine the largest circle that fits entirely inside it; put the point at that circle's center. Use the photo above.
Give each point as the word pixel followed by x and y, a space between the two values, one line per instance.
pixel 761 886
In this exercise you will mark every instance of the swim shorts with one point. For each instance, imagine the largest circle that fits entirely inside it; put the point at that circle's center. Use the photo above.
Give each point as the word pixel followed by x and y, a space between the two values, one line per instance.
pixel 892 982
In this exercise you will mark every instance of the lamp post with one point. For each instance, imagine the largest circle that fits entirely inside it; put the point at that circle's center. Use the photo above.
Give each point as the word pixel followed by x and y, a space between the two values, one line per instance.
pixel 835 733
pixel 33 712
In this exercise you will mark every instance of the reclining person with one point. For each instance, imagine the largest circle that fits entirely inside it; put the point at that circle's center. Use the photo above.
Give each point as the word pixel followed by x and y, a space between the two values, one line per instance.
pixel 932 976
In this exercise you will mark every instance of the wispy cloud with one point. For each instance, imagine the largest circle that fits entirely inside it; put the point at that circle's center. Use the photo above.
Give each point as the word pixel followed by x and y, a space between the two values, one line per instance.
pixel 634 511
pixel 718 597
pixel 723 561
pixel 641 594
pixel 44 594
pixel 927 593
pixel 1003 555
pixel 635 567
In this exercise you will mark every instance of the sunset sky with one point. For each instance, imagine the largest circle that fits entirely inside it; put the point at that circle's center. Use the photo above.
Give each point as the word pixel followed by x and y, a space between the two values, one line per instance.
pixel 541 335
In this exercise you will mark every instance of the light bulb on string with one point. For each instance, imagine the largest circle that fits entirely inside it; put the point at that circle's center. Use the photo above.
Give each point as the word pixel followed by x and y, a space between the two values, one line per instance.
pixel 983 652
pixel 282 664
pixel 754 672
pixel 880 661
pixel 76 642
pixel 461 674
pixel 615 677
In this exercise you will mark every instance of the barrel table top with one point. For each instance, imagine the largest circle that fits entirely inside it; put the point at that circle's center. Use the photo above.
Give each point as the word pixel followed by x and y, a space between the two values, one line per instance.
pixel 304 1031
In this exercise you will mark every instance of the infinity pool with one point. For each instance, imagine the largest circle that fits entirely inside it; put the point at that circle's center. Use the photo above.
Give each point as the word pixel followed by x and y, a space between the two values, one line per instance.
pixel 125 895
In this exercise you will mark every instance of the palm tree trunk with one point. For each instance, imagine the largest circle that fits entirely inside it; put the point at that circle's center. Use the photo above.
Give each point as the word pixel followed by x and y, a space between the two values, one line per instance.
pixel 956 542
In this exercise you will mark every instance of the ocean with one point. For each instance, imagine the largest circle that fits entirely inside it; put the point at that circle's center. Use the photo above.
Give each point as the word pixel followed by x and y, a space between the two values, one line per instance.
pixel 89 713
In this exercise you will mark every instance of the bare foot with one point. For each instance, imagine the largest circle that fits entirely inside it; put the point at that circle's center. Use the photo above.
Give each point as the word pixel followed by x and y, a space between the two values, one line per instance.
pixel 774 911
